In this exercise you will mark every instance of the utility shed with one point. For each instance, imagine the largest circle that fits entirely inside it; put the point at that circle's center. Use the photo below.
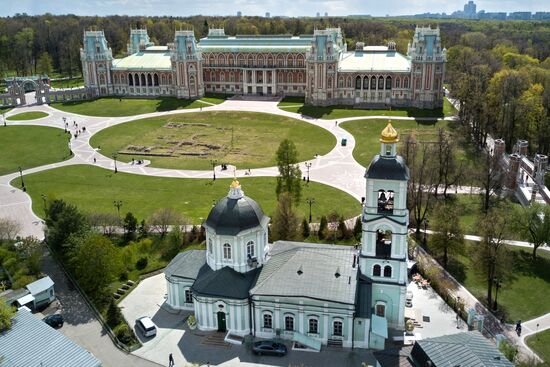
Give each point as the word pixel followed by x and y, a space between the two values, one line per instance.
pixel 42 291
pixel 31 342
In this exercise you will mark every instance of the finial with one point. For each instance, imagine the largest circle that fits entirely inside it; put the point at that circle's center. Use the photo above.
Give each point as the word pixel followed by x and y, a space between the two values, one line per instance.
pixel 389 134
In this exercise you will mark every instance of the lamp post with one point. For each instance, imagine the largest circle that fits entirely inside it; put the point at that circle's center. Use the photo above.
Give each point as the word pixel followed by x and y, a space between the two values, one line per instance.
pixel 4 118
pixel 22 182
pixel 117 204
pixel 308 166
pixel 65 123
pixel 425 230
pixel 498 285
pixel 114 157
pixel 44 200
pixel 310 201
pixel 213 162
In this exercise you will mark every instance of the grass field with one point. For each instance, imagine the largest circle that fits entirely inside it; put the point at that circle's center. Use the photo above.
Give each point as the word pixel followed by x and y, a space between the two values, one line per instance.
pixel 4 109
pixel 34 115
pixel 31 146
pixel 67 83
pixel 524 296
pixel 539 343
pixel 296 104
pixel 94 189
pixel 367 134
pixel 190 141
pixel 116 107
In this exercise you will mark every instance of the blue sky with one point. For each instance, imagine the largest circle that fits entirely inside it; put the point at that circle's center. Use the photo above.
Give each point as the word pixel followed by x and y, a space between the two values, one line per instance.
pixel 258 7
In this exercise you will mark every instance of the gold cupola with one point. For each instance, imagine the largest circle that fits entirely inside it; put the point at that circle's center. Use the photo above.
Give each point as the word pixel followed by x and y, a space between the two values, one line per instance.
pixel 389 134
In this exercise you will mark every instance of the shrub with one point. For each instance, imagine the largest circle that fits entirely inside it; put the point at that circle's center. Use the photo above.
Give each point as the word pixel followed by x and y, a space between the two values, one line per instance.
pixel 114 316
pixel 358 228
pixel 305 228
pixel 323 228
pixel 123 333
pixel 142 263
pixel 123 276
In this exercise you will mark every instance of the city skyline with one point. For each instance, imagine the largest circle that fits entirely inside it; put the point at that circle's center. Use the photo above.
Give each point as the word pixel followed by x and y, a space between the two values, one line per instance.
pixel 259 8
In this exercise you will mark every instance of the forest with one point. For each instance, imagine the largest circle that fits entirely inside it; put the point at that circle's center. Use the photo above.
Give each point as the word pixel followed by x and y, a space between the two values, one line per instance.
pixel 499 70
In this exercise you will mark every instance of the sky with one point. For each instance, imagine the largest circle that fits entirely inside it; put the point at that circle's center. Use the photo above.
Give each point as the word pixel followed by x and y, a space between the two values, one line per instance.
pixel 259 7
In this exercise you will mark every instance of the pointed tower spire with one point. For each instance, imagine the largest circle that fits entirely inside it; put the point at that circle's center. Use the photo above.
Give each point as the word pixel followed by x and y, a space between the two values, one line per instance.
pixel 389 139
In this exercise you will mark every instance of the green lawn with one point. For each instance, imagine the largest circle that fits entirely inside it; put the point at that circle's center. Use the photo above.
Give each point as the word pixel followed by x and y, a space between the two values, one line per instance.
pixel 367 134
pixel 94 189
pixel 27 116
pixel 67 83
pixel 190 141
pixel 525 296
pixel 448 108
pixel 116 107
pixel 539 343
pixel 215 98
pixel 31 146
pixel 5 109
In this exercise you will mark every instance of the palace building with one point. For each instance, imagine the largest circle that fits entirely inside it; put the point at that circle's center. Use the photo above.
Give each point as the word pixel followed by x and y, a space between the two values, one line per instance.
pixel 318 67
pixel 313 294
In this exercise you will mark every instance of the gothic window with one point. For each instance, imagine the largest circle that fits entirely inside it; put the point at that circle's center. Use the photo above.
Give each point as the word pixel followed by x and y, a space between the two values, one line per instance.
pixel 212 76
pixel 289 323
pixel 313 326
pixel 376 270
pixel 300 78
pixel 280 77
pixel 188 296
pixel 270 61
pixel 373 83
pixel 260 61
pixel 329 82
pixel 241 60
pixel 143 80
pixel 101 79
pixel 231 60
pixel 268 321
pixel 231 76
pixel 221 60
pixel 289 78
pixel 250 253
pixel 130 80
pixel 341 82
pixel 149 81
pixel 280 61
pixel 300 61
pixel 387 271
pixel 358 82
pixel 380 82
pixel 417 83
pixel 156 80
pixel 388 82
pixel 227 251
pixel 192 82
pixel 250 61
pixel 380 309
pixel 398 83
pixel 348 82
pixel 406 83
pixel 337 328
pixel 189 51
pixel 365 83
pixel 222 77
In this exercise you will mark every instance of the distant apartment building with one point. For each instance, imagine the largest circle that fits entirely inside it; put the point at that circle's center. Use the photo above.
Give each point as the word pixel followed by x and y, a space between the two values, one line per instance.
pixel 470 10
pixel 520 15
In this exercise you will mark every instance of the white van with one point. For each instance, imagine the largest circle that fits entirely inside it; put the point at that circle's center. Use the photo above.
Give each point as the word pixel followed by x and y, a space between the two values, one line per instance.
pixel 147 326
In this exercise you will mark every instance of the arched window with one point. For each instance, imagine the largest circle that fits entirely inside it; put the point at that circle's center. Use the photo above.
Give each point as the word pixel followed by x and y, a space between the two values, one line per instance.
pixel 250 253
pixel 358 82
pixel 329 82
pixel 373 83
pixel 156 80
pixel 388 82
pixel 268 321
pixel 398 82
pixel 380 82
pixel 250 61
pixel 280 77
pixel 222 76
pixel 188 296
pixel 385 198
pixel 149 80
pixel 260 61
pixel 231 60
pixel 380 309
pixel 383 243
pixel 289 323
pixel 289 78
pixel 337 328
pixel 143 84
pixel 212 76
pixel 280 61
pixel 417 83
pixel 231 76
pixel 300 61
pixel 270 61
pixel 313 326
pixel 130 80
pixel 406 82
pixel 221 60
pixel 192 82
pixel 300 78
pixel 227 251
pixel 366 83
pixel 341 82
pixel 387 271
pixel 376 271
pixel 348 82
pixel 241 60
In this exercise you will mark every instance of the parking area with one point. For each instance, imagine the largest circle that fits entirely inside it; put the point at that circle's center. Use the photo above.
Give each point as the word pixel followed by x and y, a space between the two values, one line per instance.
pixel 195 346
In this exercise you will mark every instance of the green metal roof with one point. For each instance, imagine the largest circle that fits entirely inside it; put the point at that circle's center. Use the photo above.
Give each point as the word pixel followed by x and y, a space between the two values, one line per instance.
pixel 150 60
pixel 256 43
pixel 374 59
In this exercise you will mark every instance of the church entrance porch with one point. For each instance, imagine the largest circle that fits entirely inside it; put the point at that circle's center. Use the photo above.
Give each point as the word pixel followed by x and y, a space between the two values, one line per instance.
pixel 221 322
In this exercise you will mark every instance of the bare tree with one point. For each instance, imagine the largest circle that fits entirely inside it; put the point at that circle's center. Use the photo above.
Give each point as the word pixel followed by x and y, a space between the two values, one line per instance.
pixel 448 170
pixel 9 228
pixel 161 220
pixel 285 221
pixel 489 176
pixel 108 223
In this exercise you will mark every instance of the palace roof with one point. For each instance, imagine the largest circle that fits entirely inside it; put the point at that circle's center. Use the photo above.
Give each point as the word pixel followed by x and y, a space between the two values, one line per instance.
pixel 153 58
pixel 282 43
pixel 373 58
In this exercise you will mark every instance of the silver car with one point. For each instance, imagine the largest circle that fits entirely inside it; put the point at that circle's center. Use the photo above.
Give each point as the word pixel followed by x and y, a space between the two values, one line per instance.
pixel 147 326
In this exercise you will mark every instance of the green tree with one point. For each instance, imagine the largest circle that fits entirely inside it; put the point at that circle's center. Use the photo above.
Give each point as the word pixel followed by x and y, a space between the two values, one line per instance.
pixel 532 117
pixel 7 313
pixel 358 228
pixel 305 228
pixel 290 176
pixel 44 65
pixel 448 237
pixel 113 315
pixel 63 220
pixel 323 228
pixel 30 250
pixel 130 225
pixel 285 220
pixel 343 231
pixel 95 263
pixel 172 244
pixel 533 222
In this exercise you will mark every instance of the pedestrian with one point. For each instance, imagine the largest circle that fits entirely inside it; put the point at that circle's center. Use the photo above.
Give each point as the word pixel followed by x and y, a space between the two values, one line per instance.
pixel 94 160
pixel 132 161
pixel 170 360
pixel 335 123
pixel 201 108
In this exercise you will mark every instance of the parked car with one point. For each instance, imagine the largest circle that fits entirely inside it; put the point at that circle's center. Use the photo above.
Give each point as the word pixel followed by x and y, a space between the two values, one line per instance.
pixel 55 320
pixel 269 347
pixel 147 326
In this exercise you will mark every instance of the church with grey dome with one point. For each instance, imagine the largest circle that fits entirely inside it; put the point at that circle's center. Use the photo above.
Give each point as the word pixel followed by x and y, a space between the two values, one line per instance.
pixel 313 294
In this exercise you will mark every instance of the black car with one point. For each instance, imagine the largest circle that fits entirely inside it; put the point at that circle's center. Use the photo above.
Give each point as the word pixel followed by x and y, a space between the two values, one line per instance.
pixel 269 347
pixel 54 321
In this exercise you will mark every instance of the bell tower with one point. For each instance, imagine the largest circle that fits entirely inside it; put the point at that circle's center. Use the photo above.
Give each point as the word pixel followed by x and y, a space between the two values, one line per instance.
pixel 383 256
pixel 97 61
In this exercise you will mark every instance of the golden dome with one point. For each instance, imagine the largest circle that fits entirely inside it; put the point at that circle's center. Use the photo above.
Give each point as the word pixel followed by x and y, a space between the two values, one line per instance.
pixel 235 184
pixel 389 135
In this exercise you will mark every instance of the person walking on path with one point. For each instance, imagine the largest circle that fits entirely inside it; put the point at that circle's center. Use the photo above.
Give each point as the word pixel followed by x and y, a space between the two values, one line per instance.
pixel 170 360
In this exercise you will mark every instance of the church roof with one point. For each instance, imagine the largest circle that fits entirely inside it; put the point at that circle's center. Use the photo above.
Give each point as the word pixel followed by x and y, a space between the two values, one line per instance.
pixel 391 168
pixel 150 59
pixel 373 59
pixel 186 265
pixel 298 269
pixel 231 216
pixel 224 282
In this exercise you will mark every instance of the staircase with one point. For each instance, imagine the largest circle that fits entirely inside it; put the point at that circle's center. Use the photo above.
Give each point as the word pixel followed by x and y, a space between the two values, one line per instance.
pixel 216 339
pixel 334 343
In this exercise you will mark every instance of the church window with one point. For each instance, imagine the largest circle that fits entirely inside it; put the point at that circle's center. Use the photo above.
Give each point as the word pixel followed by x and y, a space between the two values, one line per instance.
pixel 373 83
pixel 227 251
pixel 388 82
pixel 268 321
pixel 337 328
pixel 250 61
pixel 313 326
pixel 417 83
pixel 250 253
pixel 289 323
pixel 380 309
pixel 231 77
pixel 383 243
pixel 376 270
pixel 280 61
pixel 212 76
pixel 366 83
pixel 231 60
pixel 358 82
pixel 387 271
pixel 188 296
pixel 329 82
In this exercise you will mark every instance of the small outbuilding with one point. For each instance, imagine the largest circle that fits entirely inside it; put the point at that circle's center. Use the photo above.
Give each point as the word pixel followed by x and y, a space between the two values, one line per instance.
pixel 42 291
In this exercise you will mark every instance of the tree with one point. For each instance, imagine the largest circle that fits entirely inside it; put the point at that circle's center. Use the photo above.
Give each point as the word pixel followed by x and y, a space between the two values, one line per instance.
pixel 448 236
pixel 358 228
pixel 285 220
pixel 305 228
pixel 172 244
pixel 343 231
pixel 30 249
pixel 107 222
pixel 63 220
pixel 7 313
pixel 95 263
pixel 534 222
pixel 323 228
pixel 448 170
pixel 44 64
pixel 161 220
pixel 489 177
pixel 130 225
pixel 290 176
pixel 113 316
pixel 9 228
pixel 491 257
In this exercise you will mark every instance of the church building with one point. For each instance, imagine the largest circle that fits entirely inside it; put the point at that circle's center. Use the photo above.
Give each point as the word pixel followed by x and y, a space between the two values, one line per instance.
pixel 318 67
pixel 311 293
